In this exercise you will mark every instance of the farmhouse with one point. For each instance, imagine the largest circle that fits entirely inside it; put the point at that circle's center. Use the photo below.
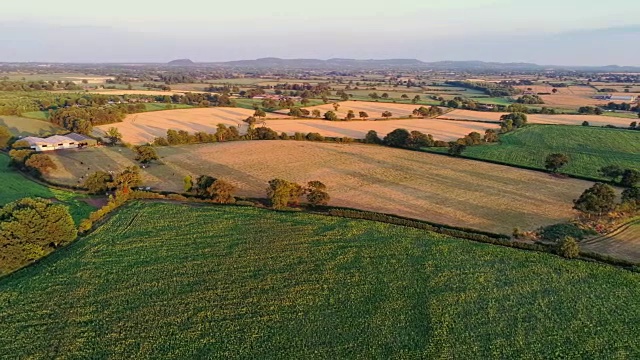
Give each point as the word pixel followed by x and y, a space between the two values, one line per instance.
pixel 57 142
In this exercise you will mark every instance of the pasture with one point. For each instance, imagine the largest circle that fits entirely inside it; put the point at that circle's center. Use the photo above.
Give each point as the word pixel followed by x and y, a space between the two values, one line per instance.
pixel 418 185
pixel 561 119
pixel 142 128
pixel 621 244
pixel 15 186
pixel 588 148
pixel 244 282
pixel 21 126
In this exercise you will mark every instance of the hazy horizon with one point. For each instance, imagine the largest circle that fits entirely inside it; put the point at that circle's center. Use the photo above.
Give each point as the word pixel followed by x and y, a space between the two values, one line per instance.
pixel 572 32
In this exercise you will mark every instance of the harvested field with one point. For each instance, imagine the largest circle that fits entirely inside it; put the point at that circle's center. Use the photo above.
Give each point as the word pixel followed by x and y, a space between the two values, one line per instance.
pixel 562 119
pixel 142 128
pixel 139 92
pixel 440 129
pixel 418 185
pixel 622 244
pixel 374 109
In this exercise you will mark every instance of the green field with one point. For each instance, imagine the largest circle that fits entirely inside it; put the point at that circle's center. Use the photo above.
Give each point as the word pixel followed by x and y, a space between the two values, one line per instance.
pixel 15 186
pixel 161 106
pixel 233 282
pixel 629 115
pixel 37 115
pixel 589 148
pixel 21 126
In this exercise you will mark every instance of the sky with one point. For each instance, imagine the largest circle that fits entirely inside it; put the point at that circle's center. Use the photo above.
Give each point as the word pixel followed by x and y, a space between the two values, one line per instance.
pixel 559 32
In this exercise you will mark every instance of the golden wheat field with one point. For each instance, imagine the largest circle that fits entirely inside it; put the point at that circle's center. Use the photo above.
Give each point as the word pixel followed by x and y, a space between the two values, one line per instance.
pixel 561 119
pixel 418 185
pixel 144 127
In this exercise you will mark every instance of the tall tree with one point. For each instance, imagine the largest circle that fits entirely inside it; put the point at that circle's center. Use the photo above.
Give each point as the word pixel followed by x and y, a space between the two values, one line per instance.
pixel 5 136
pixel 221 192
pixel 350 115
pixel 98 182
pixel 114 135
pixel 317 194
pixel 146 153
pixel 596 200
pixel 630 178
pixel 127 179
pixel 554 162
pixel 283 193
pixel 612 172
pixel 32 228
pixel 40 164
pixel 372 138
pixel 397 138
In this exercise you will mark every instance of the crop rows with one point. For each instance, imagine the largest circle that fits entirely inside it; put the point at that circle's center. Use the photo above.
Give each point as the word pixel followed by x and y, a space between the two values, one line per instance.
pixel 161 280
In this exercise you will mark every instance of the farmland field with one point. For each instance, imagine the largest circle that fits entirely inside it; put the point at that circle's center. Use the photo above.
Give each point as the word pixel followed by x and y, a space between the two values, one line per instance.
pixel 589 148
pixel 138 92
pixel 142 128
pixel 21 126
pixel 622 244
pixel 563 119
pixel 418 185
pixel 244 282
pixel 374 109
pixel 15 187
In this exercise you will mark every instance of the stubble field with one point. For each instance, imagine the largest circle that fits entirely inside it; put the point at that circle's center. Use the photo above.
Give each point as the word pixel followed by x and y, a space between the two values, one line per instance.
pixel 622 244
pixel 144 127
pixel 372 108
pixel 425 186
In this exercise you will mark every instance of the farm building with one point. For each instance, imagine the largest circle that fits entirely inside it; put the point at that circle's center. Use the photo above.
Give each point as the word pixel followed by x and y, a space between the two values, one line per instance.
pixel 57 142
pixel 627 98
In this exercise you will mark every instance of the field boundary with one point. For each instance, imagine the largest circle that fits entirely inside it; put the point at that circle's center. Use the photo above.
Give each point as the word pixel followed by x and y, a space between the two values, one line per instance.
pixel 523 167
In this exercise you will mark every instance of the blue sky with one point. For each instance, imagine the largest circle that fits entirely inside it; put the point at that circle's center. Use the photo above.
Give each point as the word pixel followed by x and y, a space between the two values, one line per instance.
pixel 551 31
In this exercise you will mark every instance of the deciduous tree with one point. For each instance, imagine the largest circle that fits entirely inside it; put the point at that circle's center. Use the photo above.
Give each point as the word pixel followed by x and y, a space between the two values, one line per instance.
pixel 282 193
pixel 145 154
pixel 32 228
pixel 40 164
pixel 554 162
pixel 221 192
pixel 98 182
pixel 596 200
pixel 114 135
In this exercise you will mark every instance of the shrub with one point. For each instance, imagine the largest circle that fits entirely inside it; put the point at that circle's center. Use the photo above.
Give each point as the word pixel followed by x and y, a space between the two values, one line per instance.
pixel 568 248
pixel 557 232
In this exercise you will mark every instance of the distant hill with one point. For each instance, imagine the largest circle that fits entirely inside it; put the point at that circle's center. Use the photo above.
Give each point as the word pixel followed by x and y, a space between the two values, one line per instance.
pixel 337 64
pixel 181 62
